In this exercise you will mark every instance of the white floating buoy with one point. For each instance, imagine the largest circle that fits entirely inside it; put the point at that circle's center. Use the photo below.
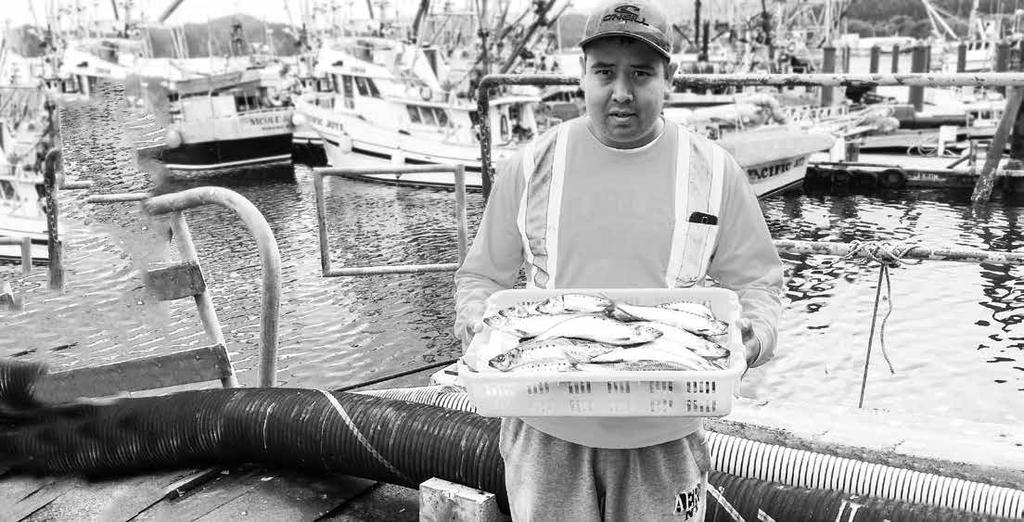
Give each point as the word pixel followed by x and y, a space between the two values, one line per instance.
pixel 172 139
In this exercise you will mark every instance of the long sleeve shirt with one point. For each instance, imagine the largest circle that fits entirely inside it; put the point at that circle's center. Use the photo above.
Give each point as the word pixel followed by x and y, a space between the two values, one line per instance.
pixel 616 225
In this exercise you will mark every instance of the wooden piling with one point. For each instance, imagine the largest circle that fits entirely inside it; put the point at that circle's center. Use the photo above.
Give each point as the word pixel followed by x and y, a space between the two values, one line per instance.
pixel 51 163
pixel 876 54
pixel 828 66
pixel 1002 62
pixel 918 64
pixel 895 58
pixel 961 57
pixel 983 187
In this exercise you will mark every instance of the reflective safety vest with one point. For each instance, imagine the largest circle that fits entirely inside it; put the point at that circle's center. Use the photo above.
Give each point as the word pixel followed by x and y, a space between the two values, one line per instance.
pixel 698 199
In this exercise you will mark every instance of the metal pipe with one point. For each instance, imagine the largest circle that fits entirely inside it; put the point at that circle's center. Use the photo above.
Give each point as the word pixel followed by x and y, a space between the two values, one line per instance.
pixel 391 269
pixel 26 250
pixel 916 252
pixel 270 258
pixel 128 197
pixel 207 313
pixel 462 231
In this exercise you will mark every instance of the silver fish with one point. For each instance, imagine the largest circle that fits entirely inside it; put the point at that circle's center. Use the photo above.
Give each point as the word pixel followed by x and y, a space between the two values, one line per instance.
pixel 528 325
pixel 601 329
pixel 575 303
pixel 547 365
pixel 692 322
pixel 682 357
pixel 522 310
pixel 573 350
pixel 679 338
pixel 691 307
pixel 634 366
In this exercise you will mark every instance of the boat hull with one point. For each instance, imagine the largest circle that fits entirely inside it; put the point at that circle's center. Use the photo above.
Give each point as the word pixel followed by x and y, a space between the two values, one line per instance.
pixel 223 154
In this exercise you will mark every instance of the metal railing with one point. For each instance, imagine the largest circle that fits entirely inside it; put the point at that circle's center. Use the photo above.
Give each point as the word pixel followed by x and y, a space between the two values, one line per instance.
pixel 458 171
pixel 985 181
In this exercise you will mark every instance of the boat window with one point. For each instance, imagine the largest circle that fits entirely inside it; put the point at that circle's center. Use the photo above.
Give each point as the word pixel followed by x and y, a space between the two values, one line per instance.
pixel 373 88
pixel 6 189
pixel 428 116
pixel 414 113
pixel 442 117
pixel 361 85
pixel 348 91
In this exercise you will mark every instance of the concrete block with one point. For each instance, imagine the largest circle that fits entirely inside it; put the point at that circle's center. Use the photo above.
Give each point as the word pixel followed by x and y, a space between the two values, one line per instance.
pixel 441 500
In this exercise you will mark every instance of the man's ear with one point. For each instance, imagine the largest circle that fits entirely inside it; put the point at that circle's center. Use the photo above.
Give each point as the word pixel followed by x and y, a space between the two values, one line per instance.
pixel 670 72
pixel 583 66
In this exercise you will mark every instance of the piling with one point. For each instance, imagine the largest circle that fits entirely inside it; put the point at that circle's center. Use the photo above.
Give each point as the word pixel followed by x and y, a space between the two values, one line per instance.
pixel 846 59
pixel 52 164
pixel 918 64
pixel 828 66
pixel 1002 61
pixel 895 58
pixel 876 54
pixel 961 57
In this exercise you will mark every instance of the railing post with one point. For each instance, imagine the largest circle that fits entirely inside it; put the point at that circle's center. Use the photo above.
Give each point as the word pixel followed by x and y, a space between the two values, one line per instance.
pixel 828 66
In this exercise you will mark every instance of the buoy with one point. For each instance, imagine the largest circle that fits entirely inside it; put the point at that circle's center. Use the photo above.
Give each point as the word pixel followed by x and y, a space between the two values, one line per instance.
pixel 299 119
pixel 172 139
pixel 426 93
pixel 345 143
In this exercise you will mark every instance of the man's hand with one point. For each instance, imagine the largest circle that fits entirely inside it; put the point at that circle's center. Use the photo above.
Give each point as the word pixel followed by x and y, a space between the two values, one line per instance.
pixel 469 322
pixel 750 342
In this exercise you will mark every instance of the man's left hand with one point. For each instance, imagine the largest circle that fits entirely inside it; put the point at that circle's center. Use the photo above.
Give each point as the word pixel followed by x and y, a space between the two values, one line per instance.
pixel 750 342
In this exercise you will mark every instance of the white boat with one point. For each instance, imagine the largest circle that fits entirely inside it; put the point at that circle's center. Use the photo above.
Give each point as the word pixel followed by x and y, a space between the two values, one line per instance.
pixel 21 192
pixel 224 120
pixel 399 114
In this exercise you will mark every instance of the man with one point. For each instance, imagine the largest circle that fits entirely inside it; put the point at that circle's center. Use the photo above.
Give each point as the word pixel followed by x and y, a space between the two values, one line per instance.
pixel 615 199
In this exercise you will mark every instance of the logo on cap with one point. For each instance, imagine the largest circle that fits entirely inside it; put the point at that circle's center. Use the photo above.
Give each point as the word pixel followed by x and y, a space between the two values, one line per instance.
pixel 625 13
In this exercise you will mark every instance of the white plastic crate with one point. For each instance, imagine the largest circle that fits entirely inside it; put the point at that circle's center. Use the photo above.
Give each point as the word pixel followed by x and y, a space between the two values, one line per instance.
pixel 612 393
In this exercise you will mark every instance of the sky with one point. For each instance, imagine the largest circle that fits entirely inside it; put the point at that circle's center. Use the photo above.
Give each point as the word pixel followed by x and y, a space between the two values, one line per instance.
pixel 19 12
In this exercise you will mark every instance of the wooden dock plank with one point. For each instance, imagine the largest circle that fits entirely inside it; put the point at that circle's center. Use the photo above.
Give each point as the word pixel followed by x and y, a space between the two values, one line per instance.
pixel 290 496
pixel 108 500
pixel 228 486
pixel 36 499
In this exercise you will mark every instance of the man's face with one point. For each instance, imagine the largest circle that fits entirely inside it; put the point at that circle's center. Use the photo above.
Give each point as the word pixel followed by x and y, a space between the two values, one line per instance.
pixel 624 84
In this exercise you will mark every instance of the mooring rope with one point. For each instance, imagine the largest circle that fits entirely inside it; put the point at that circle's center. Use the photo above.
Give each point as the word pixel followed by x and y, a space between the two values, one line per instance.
pixel 887 255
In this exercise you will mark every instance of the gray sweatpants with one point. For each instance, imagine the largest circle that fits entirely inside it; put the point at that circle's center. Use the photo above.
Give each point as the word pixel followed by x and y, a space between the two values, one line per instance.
pixel 549 479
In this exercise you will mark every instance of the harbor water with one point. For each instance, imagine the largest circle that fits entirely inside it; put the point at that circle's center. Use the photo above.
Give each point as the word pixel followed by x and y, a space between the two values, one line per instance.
pixel 955 334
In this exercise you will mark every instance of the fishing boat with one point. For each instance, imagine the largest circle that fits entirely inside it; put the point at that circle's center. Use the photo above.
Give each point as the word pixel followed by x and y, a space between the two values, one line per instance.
pixel 224 120
pixel 400 114
pixel 21 192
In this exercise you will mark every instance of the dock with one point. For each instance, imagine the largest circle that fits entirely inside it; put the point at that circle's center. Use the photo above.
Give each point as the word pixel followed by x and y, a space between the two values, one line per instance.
pixel 890 171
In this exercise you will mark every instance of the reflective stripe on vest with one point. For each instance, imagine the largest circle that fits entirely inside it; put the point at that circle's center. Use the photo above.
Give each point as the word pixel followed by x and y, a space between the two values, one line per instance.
pixel 696 190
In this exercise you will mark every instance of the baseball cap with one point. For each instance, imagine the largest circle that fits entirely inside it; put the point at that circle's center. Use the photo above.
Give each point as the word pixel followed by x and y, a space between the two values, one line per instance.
pixel 638 19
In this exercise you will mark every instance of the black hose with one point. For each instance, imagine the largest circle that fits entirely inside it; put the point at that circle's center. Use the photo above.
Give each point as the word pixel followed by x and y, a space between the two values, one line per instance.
pixel 394 441
pixel 17 380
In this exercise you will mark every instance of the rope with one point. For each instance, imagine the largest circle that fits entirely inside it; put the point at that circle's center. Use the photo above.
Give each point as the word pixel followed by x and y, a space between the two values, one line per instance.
pixel 724 503
pixel 887 255
pixel 362 439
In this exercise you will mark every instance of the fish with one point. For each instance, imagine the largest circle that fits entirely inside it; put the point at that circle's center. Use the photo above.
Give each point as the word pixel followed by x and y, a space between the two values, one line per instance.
pixel 682 357
pixel 635 366
pixel 602 329
pixel 573 350
pixel 673 337
pixel 526 326
pixel 691 307
pixel 547 365
pixel 695 323
pixel 575 303
pixel 522 310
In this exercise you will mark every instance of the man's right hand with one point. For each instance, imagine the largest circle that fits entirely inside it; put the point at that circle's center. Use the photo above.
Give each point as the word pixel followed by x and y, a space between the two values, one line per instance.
pixel 469 322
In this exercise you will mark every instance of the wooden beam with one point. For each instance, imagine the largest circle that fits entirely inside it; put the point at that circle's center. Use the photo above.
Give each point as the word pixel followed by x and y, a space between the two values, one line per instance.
pixel 983 187
pixel 176 281
pixel 150 373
